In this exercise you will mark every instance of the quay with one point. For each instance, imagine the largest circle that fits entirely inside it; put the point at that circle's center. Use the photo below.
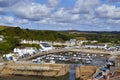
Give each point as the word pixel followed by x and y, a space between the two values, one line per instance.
pixel 90 51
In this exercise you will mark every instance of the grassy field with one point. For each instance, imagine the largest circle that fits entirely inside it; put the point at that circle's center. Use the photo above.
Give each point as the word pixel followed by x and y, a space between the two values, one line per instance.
pixel 2 28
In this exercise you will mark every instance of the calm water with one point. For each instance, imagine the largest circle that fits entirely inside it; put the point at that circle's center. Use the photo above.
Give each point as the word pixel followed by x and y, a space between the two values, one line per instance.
pixel 72 72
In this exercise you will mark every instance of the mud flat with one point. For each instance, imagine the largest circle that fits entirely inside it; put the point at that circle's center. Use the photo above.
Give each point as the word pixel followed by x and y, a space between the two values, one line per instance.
pixel 43 71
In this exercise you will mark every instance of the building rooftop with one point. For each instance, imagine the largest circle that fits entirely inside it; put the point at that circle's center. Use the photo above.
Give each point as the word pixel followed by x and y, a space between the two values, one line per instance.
pixel 45 44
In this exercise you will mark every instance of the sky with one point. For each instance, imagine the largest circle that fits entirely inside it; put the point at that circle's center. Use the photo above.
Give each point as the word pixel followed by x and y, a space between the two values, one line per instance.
pixel 83 15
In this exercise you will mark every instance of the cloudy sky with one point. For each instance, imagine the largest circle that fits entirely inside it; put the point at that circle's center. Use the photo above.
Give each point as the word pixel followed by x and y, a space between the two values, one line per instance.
pixel 85 15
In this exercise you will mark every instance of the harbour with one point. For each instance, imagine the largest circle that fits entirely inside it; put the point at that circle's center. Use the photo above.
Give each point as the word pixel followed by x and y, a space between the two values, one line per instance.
pixel 71 60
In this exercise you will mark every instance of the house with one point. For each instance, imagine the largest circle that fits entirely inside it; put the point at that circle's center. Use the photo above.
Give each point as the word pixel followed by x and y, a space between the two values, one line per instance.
pixel 97 46
pixel 1 38
pixel 45 46
pixel 25 51
pixel 9 57
pixel 118 47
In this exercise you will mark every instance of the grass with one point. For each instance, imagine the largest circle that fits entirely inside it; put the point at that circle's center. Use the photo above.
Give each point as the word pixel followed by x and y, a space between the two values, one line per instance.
pixel 80 38
pixel 2 28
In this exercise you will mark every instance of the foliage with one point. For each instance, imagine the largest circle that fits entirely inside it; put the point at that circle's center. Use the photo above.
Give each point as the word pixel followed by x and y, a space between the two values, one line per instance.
pixel 8 45
pixel 2 28
pixel 14 34
pixel 30 45
pixel 34 34
pixel 102 37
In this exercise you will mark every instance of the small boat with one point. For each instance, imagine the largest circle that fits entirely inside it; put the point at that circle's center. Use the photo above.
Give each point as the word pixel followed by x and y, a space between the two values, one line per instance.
pixel 52 61
pixel 88 62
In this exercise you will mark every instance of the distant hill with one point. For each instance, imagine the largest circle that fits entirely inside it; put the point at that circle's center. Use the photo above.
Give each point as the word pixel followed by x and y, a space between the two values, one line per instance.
pixel 90 32
pixel 78 32
pixel 100 36
pixel 49 35
pixel 14 34
pixel 33 34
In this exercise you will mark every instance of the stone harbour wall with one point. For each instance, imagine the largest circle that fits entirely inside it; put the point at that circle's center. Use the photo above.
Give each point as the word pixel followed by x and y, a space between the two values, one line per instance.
pixel 27 69
pixel 85 72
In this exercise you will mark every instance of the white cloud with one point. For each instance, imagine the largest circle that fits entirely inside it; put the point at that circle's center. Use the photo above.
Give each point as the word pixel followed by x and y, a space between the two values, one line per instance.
pixel 42 13
pixel 53 3
pixel 22 21
pixel 108 11
pixel 10 20
pixel 7 19
pixel 6 3
pixel 85 6
pixel 32 11
pixel 26 9
pixel 111 21
pixel 86 3
pixel 83 13
pixel 113 0
pixel 75 17
pixel 61 13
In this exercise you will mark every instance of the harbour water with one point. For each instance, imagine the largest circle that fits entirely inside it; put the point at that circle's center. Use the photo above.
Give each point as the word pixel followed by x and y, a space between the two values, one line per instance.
pixel 73 59
pixel 72 72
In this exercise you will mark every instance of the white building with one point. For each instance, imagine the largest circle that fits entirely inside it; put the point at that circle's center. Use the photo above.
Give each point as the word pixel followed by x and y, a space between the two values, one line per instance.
pixel 30 41
pixel 45 46
pixel 9 57
pixel 22 51
pixel 97 46
pixel 1 38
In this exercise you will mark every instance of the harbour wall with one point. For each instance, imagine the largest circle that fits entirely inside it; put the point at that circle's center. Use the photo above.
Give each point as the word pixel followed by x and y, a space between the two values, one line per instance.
pixel 85 72
pixel 30 69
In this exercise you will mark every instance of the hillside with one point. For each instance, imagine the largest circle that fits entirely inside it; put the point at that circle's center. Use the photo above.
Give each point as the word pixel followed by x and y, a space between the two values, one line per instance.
pixel 17 32
pixel 14 34
pixel 2 28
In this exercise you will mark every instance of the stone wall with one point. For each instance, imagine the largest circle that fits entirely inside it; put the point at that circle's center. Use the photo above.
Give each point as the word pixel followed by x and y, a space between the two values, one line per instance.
pixel 85 72
pixel 49 70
